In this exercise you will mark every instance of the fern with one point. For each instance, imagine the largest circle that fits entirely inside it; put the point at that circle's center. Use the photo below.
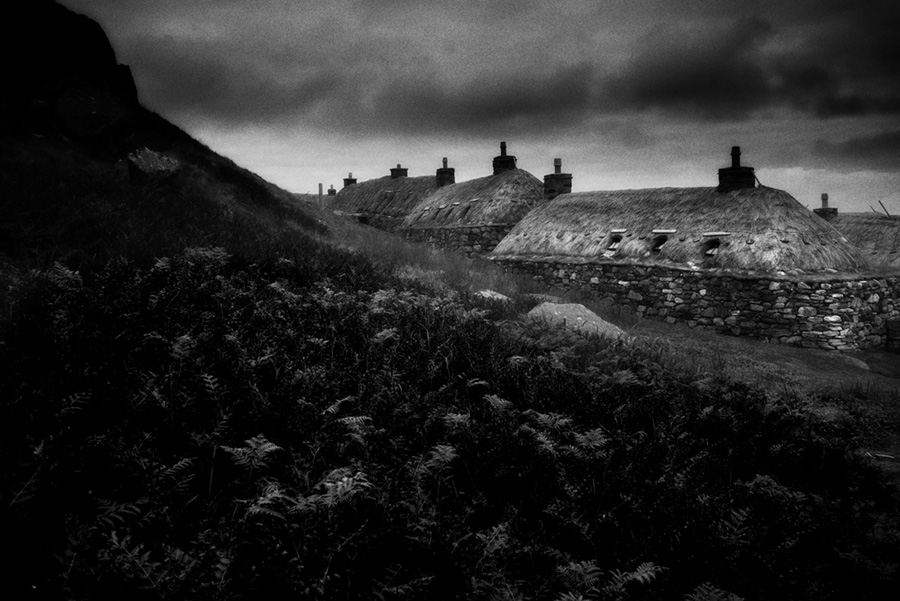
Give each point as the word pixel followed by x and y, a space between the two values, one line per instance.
pixel 178 477
pixel 497 404
pixel 113 515
pixel 270 499
pixel 734 530
pixel 210 385
pixel 74 404
pixel 644 574
pixel 454 420
pixel 707 592
pixel 549 421
pixel 581 575
pixel 333 408
pixel 592 439
pixel 255 454
pixel 441 455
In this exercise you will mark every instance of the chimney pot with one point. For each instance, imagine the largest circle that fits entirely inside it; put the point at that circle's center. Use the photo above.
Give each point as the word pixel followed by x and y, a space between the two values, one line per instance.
pixel 445 175
pixel 504 162
pixel 824 211
pixel 557 183
pixel 736 177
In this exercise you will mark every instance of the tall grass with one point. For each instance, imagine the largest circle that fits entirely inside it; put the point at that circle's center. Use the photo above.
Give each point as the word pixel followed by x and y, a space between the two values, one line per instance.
pixel 210 428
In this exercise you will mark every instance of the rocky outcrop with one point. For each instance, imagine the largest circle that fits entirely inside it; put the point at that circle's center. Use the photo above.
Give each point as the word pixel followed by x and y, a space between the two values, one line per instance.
pixel 60 72
pixel 146 165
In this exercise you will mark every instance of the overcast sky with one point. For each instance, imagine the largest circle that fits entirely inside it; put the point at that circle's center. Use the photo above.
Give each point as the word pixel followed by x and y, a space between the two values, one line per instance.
pixel 629 93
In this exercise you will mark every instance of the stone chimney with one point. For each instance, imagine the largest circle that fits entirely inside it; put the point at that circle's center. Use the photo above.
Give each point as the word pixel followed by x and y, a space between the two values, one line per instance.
pixel 398 171
pixel 445 175
pixel 557 183
pixel 736 177
pixel 349 180
pixel 504 162
pixel 825 212
pixel 332 191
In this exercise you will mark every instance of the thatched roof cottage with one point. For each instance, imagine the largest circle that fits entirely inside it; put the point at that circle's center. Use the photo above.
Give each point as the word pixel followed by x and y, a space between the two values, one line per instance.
pixel 473 216
pixel 735 226
pixel 742 258
pixel 876 235
pixel 386 201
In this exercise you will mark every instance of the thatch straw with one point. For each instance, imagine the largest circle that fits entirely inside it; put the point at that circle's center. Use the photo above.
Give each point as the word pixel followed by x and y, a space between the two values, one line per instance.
pixel 387 196
pixel 877 236
pixel 501 199
pixel 757 229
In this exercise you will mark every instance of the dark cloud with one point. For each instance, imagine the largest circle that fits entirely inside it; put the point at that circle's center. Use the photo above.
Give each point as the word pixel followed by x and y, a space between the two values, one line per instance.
pixel 694 71
pixel 475 66
pixel 502 101
pixel 191 78
pixel 877 152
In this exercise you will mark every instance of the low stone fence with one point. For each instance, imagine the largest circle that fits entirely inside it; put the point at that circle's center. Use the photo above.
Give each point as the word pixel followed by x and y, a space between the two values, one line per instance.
pixel 470 240
pixel 839 313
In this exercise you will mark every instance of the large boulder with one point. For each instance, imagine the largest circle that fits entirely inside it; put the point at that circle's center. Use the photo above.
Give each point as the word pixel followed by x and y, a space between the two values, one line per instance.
pixel 578 318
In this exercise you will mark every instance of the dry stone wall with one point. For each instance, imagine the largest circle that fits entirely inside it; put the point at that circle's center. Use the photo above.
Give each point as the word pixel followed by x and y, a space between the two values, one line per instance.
pixel 839 313
pixel 470 240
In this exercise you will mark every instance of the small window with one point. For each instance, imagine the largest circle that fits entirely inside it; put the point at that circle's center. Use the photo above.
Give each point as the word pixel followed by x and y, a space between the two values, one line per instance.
pixel 658 243
pixel 711 247
pixel 614 242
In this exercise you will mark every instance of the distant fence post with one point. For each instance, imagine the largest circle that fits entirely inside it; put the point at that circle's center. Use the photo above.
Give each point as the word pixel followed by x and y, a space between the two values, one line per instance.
pixel 321 202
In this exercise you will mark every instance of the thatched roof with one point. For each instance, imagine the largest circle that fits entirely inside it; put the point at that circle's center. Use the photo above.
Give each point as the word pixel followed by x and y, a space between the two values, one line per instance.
pixel 387 196
pixel 877 236
pixel 501 199
pixel 749 229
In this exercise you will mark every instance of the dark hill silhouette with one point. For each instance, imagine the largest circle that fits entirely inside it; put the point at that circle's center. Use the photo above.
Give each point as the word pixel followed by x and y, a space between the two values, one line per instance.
pixel 76 183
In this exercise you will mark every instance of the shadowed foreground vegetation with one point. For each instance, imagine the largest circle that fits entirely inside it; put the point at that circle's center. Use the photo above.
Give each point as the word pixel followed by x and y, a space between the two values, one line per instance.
pixel 210 427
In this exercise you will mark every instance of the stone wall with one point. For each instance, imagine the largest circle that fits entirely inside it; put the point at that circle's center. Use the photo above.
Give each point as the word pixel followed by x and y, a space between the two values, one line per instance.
pixel 471 240
pixel 833 313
